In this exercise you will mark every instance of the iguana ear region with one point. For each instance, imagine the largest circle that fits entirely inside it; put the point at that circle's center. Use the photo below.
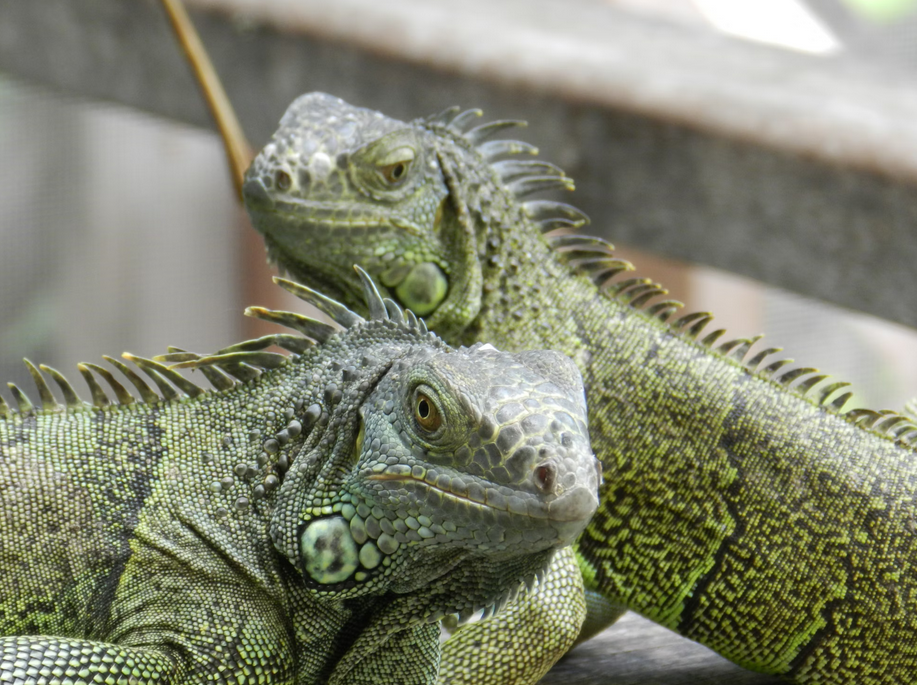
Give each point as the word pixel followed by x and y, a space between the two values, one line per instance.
pixel 329 553
pixel 338 551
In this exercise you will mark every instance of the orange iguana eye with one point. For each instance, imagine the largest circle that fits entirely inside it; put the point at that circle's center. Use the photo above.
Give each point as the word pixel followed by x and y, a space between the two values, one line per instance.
pixel 426 414
pixel 395 173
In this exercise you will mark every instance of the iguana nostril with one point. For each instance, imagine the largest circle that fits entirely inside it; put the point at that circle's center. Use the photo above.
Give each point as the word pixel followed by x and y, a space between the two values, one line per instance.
pixel 282 180
pixel 545 476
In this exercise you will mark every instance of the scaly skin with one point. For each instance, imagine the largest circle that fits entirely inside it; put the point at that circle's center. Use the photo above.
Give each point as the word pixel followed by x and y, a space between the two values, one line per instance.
pixel 754 517
pixel 308 523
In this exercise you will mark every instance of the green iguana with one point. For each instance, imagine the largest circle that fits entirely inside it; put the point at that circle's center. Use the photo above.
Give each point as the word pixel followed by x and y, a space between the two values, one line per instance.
pixel 742 506
pixel 307 521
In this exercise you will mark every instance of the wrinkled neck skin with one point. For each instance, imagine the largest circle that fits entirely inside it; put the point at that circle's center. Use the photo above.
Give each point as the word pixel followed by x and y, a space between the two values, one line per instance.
pixel 734 511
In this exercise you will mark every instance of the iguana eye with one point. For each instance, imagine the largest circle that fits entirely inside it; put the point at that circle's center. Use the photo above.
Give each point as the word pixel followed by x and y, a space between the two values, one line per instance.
pixel 395 173
pixel 425 413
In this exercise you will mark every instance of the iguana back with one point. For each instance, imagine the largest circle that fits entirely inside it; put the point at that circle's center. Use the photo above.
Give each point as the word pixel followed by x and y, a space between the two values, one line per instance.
pixel 308 520
pixel 742 507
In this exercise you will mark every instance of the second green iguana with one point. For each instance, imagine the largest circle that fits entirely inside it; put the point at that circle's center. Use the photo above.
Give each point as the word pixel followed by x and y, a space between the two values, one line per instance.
pixel 307 521
pixel 742 506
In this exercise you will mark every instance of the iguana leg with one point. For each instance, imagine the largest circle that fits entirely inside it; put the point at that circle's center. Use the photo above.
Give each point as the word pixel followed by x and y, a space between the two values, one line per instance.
pixel 520 644
pixel 600 613
pixel 408 657
pixel 38 659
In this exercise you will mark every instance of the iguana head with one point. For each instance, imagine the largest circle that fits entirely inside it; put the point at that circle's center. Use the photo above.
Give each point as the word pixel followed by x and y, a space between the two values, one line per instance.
pixel 335 174
pixel 339 185
pixel 426 457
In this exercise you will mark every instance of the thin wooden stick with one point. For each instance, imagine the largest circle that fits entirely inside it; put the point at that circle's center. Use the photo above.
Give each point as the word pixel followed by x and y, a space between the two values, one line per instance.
pixel 238 151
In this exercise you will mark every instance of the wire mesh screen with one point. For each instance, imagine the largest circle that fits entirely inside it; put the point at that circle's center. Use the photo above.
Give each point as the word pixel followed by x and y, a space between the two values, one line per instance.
pixel 117 234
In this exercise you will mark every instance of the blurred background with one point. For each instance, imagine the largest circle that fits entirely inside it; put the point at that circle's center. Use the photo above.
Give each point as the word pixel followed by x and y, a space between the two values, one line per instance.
pixel 758 157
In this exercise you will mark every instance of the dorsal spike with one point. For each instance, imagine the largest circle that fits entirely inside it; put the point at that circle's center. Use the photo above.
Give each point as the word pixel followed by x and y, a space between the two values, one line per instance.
pixel 690 318
pixel 216 377
pixel 509 169
pixel 241 371
pixel 497 148
pixel 575 242
pixel 479 134
pixel 5 411
pixel 601 269
pixel 167 390
pixel 71 399
pixel 253 345
pixel 527 185
pixel 263 360
pixel 411 319
pixel 603 277
pixel 121 393
pixel 176 357
pixel 641 293
pixel 294 343
pixel 146 392
pixel 309 327
pixel 825 393
pixel 793 374
pixel 219 379
pixel 840 401
pixel 48 403
pixel 395 312
pixel 613 290
pixel 655 290
pixel 710 339
pixel 332 308
pixel 545 211
pixel 592 264
pixel 865 418
pixel 910 408
pixel 697 327
pixel 755 361
pixel 774 367
pixel 906 435
pixel 445 117
pixel 887 424
pixel 728 346
pixel 150 367
pixel 99 398
pixel 810 383
pixel 371 295
pixel 26 408
pixel 899 430
pixel 666 313
pixel 667 307
pixel 461 121
pixel 741 350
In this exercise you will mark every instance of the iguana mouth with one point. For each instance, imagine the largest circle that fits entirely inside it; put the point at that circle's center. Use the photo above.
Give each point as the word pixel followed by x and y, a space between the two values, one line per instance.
pixel 323 214
pixel 580 510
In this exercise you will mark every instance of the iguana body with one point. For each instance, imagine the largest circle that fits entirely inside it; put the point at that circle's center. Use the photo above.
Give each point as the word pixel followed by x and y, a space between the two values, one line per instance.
pixel 307 523
pixel 751 515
